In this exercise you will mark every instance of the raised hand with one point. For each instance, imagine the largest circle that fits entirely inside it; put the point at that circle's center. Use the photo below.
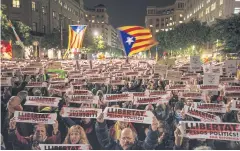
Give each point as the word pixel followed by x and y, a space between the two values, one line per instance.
pixel 155 124
pixel 100 118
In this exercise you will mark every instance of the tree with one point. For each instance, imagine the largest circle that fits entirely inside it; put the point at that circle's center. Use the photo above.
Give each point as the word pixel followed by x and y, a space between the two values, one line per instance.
pixel 22 30
pixel 228 32
pixel 52 40
pixel 99 43
pixel 184 37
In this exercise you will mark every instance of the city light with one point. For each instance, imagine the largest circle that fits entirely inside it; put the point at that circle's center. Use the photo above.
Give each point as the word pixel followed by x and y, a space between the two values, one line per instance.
pixel 95 33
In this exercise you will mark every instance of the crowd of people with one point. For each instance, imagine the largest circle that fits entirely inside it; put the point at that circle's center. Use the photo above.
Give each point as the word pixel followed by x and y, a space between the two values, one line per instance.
pixel 99 133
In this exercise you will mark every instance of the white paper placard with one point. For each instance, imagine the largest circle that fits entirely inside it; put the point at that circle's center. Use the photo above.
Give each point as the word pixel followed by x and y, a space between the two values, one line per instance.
pixel 231 66
pixel 42 101
pixel 211 79
pixel 128 115
pixel 195 63
pixel 64 146
pixel 210 107
pixel 31 117
pixel 81 112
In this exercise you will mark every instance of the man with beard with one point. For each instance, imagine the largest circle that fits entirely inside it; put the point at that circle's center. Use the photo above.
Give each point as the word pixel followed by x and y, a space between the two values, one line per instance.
pixel 33 141
pixel 128 138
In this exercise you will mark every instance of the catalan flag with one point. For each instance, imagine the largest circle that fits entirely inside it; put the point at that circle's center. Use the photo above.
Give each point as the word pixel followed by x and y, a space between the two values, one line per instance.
pixel 76 34
pixel 136 39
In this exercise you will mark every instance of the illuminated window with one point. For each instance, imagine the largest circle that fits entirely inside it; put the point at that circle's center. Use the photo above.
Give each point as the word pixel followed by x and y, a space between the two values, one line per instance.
pixel 236 10
pixel 207 10
pixel 170 24
pixel 170 18
pixel 54 14
pixel 221 2
pixel 43 10
pixel 220 13
pixel 16 3
pixel 157 30
pixel 34 26
pixel 181 15
pixel 208 1
pixel 34 6
pixel 180 22
pixel 213 6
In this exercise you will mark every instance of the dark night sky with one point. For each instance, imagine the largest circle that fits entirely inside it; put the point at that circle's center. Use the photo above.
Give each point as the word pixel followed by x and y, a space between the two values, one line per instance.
pixel 127 12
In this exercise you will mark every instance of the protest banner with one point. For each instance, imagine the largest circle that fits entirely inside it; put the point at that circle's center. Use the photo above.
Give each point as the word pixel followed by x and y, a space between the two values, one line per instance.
pixel 36 84
pixel 232 94
pixel 136 94
pixel 231 66
pixel 209 87
pixel 177 87
pixel 232 89
pixel 203 116
pixel 210 107
pixel 211 79
pixel 235 105
pixel 157 93
pixel 78 83
pixel 79 99
pixel 64 146
pixel 6 81
pixel 128 115
pixel 31 117
pixel 191 75
pixel 131 73
pixel 195 63
pixel 174 75
pixel 160 69
pixel 210 130
pixel 227 79
pixel 58 80
pixel 117 97
pixel 149 100
pixel 82 92
pixel 42 101
pixel 81 112
pixel 191 95
pixel 90 71
pixel 116 82
pixel 100 80
pixel 58 86
pixel 185 78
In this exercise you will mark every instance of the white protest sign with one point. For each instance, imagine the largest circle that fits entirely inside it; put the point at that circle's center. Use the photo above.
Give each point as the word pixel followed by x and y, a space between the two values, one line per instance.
pixel 177 87
pixel 157 93
pixel 232 94
pixel 191 95
pixel 31 117
pixel 117 97
pixel 231 66
pixel 81 112
pixel 210 79
pixel 174 75
pixel 209 87
pixel 210 107
pixel 195 63
pixel 235 105
pixel 217 70
pixel 42 101
pixel 232 89
pixel 210 130
pixel 117 82
pixel 136 94
pixel 82 92
pixel 203 116
pixel 79 99
pixel 36 84
pixel 149 100
pixel 64 146
pixel 128 115
pixel 6 81
pixel 207 68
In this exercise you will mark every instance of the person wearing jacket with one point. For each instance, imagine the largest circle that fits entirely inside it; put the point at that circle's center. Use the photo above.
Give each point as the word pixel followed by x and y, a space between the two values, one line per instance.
pixel 128 140
pixel 33 141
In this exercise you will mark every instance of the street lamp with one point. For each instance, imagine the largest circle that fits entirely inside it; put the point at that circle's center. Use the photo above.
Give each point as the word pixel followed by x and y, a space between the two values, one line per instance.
pixel 95 33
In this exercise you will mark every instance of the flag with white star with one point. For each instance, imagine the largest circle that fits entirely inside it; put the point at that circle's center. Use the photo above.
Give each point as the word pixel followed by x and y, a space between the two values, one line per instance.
pixel 136 39
pixel 76 35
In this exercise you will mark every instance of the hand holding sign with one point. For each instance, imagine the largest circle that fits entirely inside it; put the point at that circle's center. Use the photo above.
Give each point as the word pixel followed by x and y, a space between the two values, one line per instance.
pixel 100 118
pixel 55 127
pixel 228 106
pixel 155 124
pixel 178 138
pixel 12 124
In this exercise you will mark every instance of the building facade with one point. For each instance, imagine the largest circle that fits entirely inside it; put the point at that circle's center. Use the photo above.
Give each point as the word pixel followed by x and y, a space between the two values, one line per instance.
pixel 45 16
pixel 165 18
pixel 209 10
pixel 98 24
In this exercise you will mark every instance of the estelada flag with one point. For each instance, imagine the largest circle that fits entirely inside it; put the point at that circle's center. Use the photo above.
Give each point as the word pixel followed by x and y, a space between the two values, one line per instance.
pixel 76 35
pixel 6 49
pixel 136 39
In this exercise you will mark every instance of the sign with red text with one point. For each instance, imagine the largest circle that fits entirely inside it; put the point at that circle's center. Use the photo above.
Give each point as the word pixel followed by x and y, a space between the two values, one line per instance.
pixel 79 99
pixel 235 105
pixel 31 117
pixel 174 75
pixel 210 107
pixel 42 101
pixel 81 112
pixel 210 130
pixel 203 116
pixel 117 97
pixel 64 146
pixel 149 100
pixel 128 115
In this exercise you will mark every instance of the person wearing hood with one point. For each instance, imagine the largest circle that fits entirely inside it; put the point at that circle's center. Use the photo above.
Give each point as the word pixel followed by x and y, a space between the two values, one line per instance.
pixel 128 139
